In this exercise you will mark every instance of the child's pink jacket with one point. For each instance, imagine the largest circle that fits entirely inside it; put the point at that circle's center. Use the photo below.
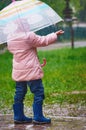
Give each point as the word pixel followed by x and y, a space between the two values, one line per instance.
pixel 26 65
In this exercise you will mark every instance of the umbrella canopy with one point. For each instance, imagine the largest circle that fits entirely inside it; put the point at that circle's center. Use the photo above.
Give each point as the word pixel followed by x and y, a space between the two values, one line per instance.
pixel 31 15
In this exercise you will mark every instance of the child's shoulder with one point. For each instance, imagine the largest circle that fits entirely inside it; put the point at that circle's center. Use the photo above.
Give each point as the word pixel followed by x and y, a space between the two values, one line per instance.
pixel 31 34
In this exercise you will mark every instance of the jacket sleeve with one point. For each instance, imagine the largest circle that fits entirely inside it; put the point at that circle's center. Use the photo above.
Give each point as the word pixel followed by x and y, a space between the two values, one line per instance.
pixel 41 41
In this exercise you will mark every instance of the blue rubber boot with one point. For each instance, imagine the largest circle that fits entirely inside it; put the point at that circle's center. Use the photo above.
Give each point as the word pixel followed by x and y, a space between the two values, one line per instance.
pixel 19 116
pixel 38 115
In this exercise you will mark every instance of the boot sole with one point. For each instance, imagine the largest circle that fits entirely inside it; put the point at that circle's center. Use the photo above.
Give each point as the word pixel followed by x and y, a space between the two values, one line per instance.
pixel 40 123
pixel 22 122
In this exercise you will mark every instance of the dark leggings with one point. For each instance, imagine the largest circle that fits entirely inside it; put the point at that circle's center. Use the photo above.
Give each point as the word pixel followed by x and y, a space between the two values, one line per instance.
pixel 36 87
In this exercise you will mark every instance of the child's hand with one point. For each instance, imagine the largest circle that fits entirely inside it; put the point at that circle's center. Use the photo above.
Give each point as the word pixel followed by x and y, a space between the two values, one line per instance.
pixel 59 32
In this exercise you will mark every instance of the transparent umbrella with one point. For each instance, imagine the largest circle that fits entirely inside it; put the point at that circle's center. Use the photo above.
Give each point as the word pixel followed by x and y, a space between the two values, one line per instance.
pixel 35 13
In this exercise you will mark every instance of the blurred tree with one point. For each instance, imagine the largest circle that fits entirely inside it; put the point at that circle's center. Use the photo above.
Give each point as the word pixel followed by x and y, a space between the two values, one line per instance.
pixel 78 6
pixel 4 3
pixel 82 13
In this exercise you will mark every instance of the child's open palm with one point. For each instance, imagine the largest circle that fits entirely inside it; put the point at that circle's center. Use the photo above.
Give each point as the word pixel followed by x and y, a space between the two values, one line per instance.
pixel 59 32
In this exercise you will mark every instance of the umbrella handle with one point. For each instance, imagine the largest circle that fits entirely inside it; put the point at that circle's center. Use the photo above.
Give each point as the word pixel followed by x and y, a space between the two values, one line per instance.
pixel 44 63
pixel 13 0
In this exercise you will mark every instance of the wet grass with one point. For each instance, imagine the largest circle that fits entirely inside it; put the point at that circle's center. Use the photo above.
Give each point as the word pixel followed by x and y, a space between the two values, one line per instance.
pixel 70 99
pixel 65 72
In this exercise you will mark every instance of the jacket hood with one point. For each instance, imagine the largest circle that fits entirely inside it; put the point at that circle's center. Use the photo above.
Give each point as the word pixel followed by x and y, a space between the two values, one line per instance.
pixel 17 26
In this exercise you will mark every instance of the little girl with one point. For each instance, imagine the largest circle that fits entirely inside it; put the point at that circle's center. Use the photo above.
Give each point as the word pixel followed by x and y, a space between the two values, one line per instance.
pixel 27 71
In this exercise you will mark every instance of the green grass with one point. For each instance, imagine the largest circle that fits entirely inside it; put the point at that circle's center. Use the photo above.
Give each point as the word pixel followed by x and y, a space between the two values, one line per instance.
pixel 65 72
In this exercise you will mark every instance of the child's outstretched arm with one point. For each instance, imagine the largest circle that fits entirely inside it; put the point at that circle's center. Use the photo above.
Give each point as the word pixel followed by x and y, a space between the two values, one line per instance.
pixel 41 41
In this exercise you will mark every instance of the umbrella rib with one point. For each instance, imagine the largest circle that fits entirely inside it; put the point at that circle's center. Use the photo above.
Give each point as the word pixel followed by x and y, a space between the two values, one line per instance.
pixel 20 18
